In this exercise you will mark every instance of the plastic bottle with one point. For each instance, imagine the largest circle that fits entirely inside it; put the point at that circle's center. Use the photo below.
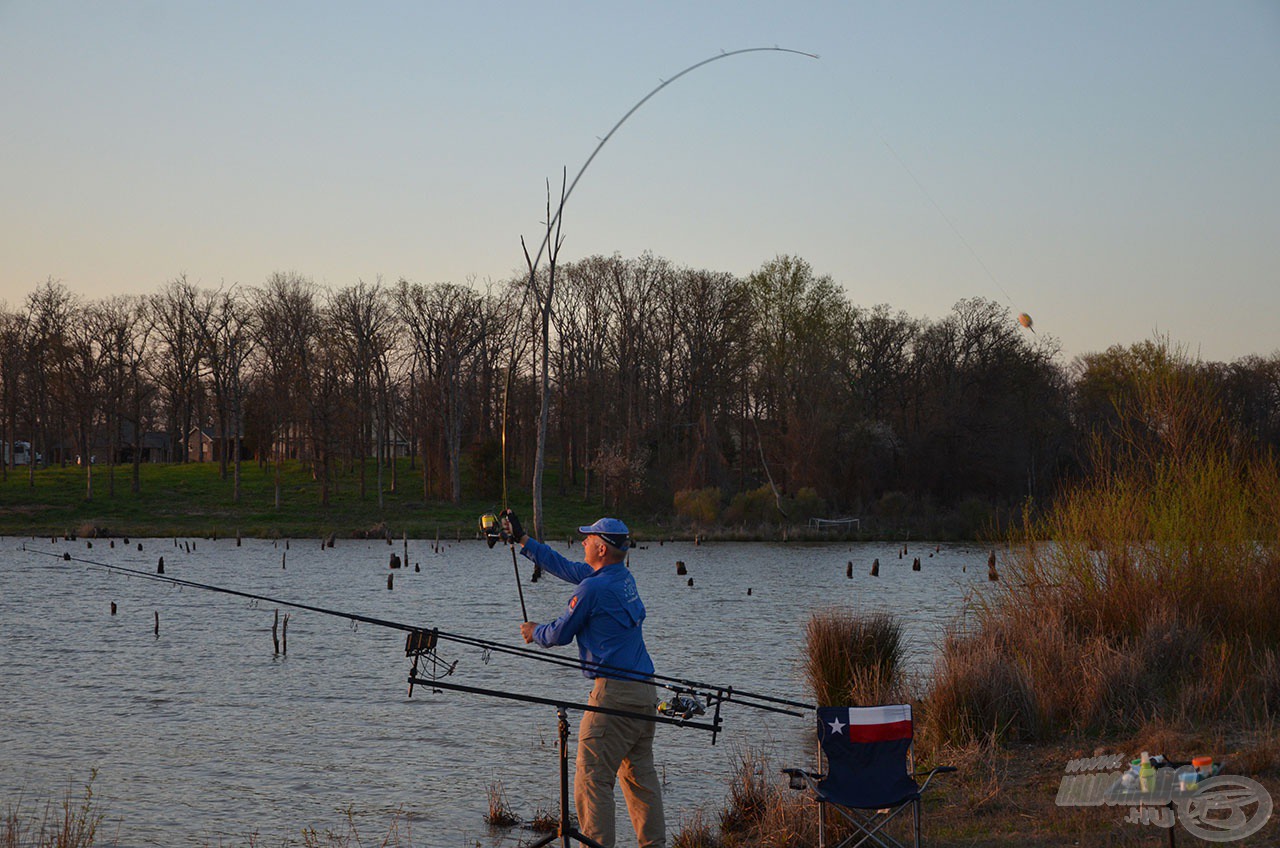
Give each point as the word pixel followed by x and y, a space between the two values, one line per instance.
pixel 1146 773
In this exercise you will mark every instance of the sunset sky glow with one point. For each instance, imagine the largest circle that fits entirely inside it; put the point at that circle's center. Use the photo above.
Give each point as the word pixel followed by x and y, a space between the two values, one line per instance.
pixel 1113 169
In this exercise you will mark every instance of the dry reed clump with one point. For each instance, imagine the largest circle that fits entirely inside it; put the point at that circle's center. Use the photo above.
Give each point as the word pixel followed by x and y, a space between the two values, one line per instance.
pixel 350 836
pixel 1154 600
pixel 761 812
pixel 854 659
pixel 89 530
pixel 978 693
pixel 544 821
pixel 696 832
pixel 500 813
pixel 71 824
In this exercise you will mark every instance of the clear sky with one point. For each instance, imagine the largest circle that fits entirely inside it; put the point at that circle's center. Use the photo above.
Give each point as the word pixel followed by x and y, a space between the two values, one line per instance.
pixel 1110 167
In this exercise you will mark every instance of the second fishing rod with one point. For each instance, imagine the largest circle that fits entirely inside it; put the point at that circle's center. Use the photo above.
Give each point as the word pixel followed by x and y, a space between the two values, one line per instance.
pixel 678 685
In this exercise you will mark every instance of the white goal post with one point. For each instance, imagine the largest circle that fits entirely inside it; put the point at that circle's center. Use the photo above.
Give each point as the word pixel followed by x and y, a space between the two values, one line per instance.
pixel 835 523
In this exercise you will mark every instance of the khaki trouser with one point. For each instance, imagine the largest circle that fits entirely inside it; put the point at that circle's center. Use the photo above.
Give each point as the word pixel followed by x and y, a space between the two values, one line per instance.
pixel 610 745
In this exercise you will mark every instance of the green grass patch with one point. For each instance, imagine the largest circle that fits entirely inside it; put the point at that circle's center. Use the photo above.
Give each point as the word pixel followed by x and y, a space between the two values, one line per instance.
pixel 193 499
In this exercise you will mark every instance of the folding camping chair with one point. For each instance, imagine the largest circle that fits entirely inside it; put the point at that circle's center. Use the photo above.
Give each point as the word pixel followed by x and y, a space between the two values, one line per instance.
pixel 870 773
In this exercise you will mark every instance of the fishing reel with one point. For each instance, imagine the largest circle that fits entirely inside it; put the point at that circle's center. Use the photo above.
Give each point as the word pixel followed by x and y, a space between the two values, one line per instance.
pixel 684 704
pixel 491 529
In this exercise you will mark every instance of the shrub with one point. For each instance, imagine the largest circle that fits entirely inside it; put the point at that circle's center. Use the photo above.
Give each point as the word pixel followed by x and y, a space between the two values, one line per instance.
pixel 1157 593
pixel 699 506
pixel 756 507
pixel 892 506
pixel 805 505
pixel 973 517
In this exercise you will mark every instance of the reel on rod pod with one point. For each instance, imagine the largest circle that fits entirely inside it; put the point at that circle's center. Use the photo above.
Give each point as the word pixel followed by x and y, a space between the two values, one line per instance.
pixel 684 704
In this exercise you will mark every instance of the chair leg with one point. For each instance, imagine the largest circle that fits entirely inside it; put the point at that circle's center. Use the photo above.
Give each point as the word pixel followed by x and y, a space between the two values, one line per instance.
pixel 915 817
pixel 822 824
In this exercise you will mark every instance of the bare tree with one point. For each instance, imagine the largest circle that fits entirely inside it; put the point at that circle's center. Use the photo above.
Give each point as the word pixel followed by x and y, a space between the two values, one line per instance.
pixel 363 319
pixel 443 324
pixel 174 314
pixel 228 339
pixel 322 381
pixel 288 322
pixel 544 297
pixel 88 363
pixel 50 310
pixel 136 357
pixel 711 318
pixel 121 331
pixel 14 350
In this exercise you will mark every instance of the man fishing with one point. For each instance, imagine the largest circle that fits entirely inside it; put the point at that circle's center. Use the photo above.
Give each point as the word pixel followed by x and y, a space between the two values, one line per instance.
pixel 605 615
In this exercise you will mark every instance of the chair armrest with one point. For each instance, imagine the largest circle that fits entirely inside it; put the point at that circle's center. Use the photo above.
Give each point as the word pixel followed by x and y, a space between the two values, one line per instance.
pixel 931 772
pixel 801 778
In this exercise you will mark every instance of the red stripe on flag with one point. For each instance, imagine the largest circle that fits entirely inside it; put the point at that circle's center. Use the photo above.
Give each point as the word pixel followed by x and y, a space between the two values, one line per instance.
pixel 887 732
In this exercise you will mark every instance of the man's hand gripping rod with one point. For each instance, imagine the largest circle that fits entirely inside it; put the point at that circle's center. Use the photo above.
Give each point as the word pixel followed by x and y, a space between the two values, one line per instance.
pixel 494 532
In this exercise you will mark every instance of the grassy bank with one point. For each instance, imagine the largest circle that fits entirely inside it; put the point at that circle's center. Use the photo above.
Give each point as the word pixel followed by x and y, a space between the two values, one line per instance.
pixel 194 500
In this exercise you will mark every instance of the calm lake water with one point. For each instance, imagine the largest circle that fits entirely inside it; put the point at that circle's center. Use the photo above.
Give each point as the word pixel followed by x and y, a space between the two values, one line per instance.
pixel 202 736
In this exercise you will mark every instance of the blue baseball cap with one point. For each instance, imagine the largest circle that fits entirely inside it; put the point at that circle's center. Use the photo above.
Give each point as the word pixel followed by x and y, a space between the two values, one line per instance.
pixel 611 530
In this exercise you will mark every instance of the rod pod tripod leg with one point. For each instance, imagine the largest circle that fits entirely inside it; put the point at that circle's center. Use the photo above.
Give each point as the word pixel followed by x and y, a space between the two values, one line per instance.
pixel 567 831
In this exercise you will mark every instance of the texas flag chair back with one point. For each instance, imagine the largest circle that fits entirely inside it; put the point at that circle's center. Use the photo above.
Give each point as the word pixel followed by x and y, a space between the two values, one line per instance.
pixel 868 753
pixel 870 773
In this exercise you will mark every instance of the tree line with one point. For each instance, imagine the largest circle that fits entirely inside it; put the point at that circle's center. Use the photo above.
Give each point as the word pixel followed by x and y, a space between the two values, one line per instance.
pixel 773 388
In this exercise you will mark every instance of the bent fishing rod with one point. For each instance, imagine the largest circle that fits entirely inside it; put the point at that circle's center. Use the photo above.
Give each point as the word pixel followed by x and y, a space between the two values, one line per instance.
pixel 422 642
pixel 564 198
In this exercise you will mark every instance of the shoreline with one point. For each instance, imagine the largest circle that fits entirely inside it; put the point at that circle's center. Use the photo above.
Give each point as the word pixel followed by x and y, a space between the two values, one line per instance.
pixel 192 500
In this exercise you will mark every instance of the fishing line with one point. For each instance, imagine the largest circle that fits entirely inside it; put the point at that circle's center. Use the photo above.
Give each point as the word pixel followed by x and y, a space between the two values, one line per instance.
pixel 675 684
pixel 1023 318
pixel 945 217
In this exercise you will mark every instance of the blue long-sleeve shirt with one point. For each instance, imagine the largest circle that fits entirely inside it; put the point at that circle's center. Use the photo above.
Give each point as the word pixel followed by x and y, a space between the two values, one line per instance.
pixel 605 615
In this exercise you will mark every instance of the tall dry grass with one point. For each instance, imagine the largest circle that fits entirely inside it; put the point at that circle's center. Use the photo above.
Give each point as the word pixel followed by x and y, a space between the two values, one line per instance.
pixel 1155 598
pixel 854 659
pixel 71 824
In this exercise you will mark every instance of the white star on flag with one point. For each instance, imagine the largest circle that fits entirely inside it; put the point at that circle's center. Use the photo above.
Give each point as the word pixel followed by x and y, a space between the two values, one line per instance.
pixel 836 725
